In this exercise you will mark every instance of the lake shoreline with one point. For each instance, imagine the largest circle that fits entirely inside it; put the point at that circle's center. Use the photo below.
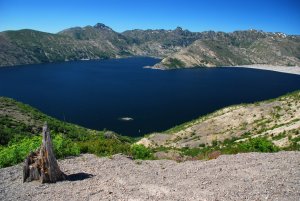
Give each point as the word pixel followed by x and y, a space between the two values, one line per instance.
pixel 107 94
pixel 282 69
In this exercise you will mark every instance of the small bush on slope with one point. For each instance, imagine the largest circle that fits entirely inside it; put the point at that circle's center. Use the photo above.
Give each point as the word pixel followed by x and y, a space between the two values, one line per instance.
pixel 258 145
pixel 141 152
pixel 16 152
pixel 64 147
pixel 104 147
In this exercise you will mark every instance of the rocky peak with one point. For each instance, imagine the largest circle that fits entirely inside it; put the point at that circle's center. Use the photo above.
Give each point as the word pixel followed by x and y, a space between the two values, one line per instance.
pixel 101 26
pixel 178 29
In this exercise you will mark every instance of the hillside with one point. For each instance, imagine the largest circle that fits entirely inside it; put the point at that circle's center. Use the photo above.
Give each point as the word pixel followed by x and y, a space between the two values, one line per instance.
pixel 18 120
pixel 267 126
pixel 251 176
pixel 178 48
pixel 238 48
pixel 227 130
pixel 20 133
pixel 102 37
pixel 160 43
pixel 31 47
pixel 200 169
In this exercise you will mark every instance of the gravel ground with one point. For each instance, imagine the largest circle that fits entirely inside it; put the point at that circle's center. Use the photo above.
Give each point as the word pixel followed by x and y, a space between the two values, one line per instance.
pixel 251 176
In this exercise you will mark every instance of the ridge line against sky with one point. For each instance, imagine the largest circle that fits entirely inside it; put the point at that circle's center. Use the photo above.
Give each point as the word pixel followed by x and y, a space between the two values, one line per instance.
pixel 194 15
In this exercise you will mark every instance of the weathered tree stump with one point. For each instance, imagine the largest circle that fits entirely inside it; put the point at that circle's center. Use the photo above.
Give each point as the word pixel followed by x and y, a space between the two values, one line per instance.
pixel 41 164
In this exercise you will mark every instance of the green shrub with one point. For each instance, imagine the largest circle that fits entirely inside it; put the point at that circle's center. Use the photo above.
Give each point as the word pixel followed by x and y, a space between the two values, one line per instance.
pixel 202 145
pixel 191 151
pixel 258 144
pixel 64 147
pixel 139 151
pixel 295 145
pixel 12 131
pixel 104 147
pixel 214 143
pixel 17 152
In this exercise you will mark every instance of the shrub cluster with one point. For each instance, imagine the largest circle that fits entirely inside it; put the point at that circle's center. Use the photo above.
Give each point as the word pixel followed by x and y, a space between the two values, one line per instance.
pixel 16 152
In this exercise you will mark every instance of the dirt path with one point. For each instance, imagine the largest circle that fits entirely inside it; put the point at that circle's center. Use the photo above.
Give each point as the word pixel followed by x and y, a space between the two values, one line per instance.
pixel 251 176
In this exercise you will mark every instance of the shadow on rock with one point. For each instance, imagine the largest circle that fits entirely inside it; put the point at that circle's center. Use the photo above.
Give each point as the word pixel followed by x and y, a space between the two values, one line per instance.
pixel 79 176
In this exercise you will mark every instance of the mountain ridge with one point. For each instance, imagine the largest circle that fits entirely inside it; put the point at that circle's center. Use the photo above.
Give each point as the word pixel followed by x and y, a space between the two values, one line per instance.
pixel 238 48
pixel 178 48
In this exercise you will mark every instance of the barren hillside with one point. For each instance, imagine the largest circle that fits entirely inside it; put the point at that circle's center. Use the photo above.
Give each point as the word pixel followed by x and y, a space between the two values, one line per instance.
pixel 277 119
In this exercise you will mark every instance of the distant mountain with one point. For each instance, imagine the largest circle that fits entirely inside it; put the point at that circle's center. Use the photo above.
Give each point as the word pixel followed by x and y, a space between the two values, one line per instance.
pixel 178 47
pixel 160 43
pixel 97 32
pixel 237 48
pixel 102 37
pixel 29 47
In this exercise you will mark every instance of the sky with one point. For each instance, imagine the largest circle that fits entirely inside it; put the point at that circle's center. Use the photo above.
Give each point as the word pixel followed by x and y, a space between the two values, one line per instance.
pixel 194 15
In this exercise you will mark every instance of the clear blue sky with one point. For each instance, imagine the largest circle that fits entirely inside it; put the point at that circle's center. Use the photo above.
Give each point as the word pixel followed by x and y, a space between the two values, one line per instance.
pixel 195 15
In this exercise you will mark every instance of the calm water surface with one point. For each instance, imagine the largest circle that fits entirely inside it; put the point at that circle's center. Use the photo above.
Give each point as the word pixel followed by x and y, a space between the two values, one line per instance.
pixel 96 94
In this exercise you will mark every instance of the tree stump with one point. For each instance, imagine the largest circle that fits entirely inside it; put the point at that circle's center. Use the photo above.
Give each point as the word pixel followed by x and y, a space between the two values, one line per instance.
pixel 41 164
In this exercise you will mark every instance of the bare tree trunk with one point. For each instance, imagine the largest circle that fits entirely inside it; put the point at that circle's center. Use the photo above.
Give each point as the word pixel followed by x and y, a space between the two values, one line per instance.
pixel 41 164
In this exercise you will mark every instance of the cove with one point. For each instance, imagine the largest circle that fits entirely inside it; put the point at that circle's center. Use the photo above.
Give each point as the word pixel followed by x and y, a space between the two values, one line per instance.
pixel 121 95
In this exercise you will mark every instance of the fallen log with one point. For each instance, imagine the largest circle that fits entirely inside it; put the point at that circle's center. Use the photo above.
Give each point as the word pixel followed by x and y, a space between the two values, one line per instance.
pixel 42 165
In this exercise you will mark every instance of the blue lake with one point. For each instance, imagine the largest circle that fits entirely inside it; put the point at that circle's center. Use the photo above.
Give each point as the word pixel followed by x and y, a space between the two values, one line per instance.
pixel 96 94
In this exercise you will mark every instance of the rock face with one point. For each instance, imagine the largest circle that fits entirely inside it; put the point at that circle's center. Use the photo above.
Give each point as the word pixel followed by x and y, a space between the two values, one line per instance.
pixel 179 47
pixel 251 176
pixel 42 165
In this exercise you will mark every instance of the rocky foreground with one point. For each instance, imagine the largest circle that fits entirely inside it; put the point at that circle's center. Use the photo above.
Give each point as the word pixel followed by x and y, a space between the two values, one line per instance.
pixel 251 176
